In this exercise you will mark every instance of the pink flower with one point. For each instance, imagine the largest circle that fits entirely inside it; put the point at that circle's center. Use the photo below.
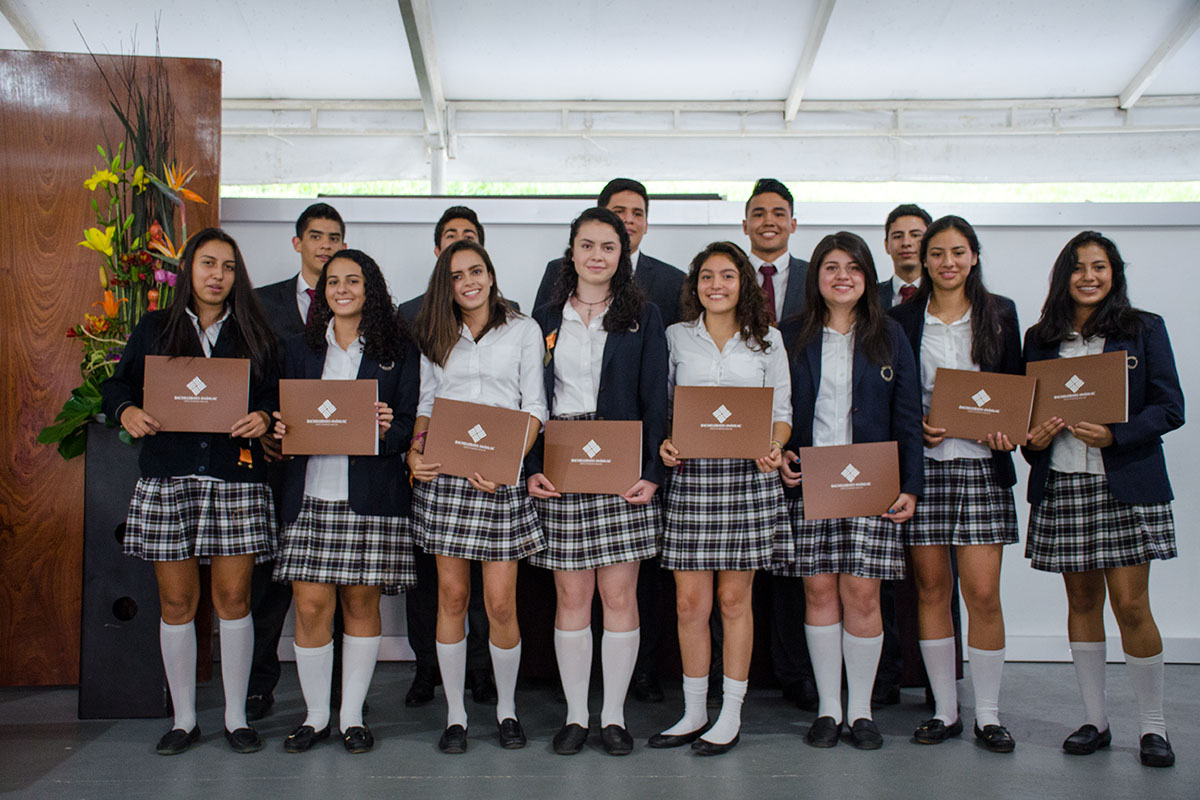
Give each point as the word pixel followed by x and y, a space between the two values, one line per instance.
pixel 165 276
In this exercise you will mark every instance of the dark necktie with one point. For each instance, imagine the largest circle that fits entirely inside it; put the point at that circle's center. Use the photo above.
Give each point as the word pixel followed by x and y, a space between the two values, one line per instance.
pixel 312 305
pixel 907 291
pixel 768 286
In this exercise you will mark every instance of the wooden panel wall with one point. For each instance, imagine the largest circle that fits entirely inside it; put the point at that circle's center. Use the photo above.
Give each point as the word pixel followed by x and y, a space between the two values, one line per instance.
pixel 54 110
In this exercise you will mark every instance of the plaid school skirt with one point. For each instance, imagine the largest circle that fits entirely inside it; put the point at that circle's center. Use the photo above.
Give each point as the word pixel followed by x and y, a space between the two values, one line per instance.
pixel 453 518
pixel 866 547
pixel 723 514
pixel 586 531
pixel 330 543
pixel 963 505
pixel 1080 526
pixel 174 519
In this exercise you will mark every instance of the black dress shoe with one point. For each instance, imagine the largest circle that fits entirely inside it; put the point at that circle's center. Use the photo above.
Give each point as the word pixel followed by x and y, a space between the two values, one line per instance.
pixel 934 731
pixel 244 740
pixel 176 740
pixel 885 694
pixel 1087 740
pixel 421 690
pixel 824 732
pixel 865 735
pixel 512 735
pixel 616 740
pixel 454 740
pixel 482 686
pixel 995 738
pixel 258 706
pixel 803 694
pixel 358 739
pixel 703 747
pixel 645 688
pixel 1155 751
pixel 570 739
pixel 304 737
pixel 661 741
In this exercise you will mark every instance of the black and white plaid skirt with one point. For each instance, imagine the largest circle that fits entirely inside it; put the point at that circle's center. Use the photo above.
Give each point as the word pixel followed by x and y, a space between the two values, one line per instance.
pixel 866 547
pixel 586 531
pixel 963 504
pixel 453 518
pixel 723 514
pixel 330 543
pixel 1080 526
pixel 174 519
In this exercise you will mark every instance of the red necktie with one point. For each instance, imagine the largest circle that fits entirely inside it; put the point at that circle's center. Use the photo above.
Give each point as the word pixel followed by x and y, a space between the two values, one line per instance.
pixel 768 286
pixel 312 305
pixel 907 291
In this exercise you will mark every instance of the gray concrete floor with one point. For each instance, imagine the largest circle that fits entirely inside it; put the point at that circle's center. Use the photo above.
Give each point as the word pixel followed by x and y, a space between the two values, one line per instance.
pixel 45 752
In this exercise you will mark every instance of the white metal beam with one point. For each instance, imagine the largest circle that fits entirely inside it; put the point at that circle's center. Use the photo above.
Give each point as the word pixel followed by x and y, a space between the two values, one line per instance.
pixel 808 57
pixel 418 27
pixel 23 27
pixel 1149 71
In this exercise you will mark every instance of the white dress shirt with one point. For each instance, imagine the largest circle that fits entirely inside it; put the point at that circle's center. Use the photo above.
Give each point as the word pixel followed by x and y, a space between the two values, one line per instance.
pixel 303 301
pixel 832 424
pixel 503 368
pixel 899 283
pixel 696 361
pixel 208 336
pixel 578 355
pixel 778 280
pixel 1068 454
pixel 633 259
pixel 949 346
pixel 328 477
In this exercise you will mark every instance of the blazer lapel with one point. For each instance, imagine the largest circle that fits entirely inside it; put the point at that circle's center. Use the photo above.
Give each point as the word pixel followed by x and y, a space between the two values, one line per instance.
pixel 314 363
pixel 860 369
pixel 643 273
pixel 813 354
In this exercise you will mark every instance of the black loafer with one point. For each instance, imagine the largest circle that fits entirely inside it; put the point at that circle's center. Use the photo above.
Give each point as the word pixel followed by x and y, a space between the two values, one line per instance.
pixel 176 740
pixel 802 694
pixel 258 706
pixel 616 740
pixel 512 736
pixel 661 741
pixel 304 737
pixel 1155 751
pixel 645 688
pixel 703 747
pixel 1087 740
pixel 570 739
pixel 865 735
pixel 421 690
pixel 358 739
pixel 482 686
pixel 934 731
pixel 454 740
pixel 244 740
pixel 824 732
pixel 995 738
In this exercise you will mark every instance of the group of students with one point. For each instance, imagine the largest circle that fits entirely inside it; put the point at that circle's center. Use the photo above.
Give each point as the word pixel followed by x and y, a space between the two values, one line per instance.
pixel 846 365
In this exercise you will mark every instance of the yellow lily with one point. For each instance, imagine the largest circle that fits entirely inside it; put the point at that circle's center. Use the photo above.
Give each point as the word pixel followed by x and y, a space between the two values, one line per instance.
pixel 140 181
pixel 99 240
pixel 178 179
pixel 166 248
pixel 101 176
pixel 110 304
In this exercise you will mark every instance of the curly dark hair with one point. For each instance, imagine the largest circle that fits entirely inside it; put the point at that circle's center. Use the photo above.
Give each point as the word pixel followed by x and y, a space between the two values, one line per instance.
pixel 628 299
pixel 751 310
pixel 381 329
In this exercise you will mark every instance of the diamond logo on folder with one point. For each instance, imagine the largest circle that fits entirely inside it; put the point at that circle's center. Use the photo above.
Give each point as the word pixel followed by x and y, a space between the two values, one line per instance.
pixel 196 385
pixel 477 433
pixel 591 448
pixel 327 408
pixel 722 413
pixel 1074 383
pixel 850 473
pixel 981 398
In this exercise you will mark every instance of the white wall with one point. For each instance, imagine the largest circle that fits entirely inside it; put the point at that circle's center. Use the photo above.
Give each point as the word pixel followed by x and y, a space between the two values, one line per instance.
pixel 1160 243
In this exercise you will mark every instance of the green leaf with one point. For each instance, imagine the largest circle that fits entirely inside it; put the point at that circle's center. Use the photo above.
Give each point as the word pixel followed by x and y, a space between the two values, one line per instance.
pixel 103 154
pixel 95 207
pixel 128 222
pixel 125 437
pixel 74 444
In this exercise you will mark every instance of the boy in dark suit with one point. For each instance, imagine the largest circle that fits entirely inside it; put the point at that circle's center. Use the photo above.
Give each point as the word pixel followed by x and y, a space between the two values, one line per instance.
pixel 770 222
pixel 902 234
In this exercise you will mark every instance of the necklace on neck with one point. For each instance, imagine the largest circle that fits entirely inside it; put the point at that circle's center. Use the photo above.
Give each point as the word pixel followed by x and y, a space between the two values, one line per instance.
pixel 578 299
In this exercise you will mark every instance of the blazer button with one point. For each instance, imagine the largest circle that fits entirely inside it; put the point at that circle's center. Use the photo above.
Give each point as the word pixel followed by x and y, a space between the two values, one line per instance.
pixel 352 461
pixel 854 411
pixel 203 445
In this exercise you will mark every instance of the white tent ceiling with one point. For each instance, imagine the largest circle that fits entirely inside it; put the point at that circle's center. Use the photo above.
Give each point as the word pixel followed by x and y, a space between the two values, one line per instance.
pixel 676 89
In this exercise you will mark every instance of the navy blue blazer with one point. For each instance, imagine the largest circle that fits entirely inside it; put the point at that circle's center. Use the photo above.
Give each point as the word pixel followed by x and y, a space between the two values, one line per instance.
pixel 661 282
pixel 1134 463
pixel 911 317
pixel 633 384
pixel 378 484
pixel 886 401
pixel 279 304
pixel 793 298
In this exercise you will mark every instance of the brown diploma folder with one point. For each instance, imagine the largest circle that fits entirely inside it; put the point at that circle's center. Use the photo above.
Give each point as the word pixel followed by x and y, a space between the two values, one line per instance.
pixel 329 418
pixel 466 438
pixel 196 395
pixel 970 405
pixel 722 421
pixel 853 480
pixel 1084 389
pixel 593 456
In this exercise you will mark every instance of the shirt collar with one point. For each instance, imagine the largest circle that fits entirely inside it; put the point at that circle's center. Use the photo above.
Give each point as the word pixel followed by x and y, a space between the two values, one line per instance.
pixel 569 313
pixel 331 339
pixel 217 322
pixel 302 286
pixel 633 258
pixel 930 318
pixel 899 283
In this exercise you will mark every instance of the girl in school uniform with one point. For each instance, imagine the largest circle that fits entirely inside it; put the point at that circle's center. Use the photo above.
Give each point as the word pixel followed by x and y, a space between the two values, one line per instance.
pixel 953 321
pixel 607 359
pixel 1101 500
pixel 347 531
pixel 202 495
pixel 723 515
pixel 476 348
pixel 853 380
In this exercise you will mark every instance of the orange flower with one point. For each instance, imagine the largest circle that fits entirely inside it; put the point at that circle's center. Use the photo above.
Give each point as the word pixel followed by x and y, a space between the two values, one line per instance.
pixel 110 304
pixel 550 339
pixel 165 247
pixel 178 180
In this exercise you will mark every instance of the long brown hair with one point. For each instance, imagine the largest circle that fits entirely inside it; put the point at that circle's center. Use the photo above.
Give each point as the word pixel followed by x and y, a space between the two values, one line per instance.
pixel 439 322
pixel 751 310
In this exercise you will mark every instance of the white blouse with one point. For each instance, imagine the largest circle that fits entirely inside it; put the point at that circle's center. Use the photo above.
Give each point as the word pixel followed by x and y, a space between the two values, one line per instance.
pixel 949 346
pixel 578 356
pixel 1068 454
pixel 832 424
pixel 328 477
pixel 208 336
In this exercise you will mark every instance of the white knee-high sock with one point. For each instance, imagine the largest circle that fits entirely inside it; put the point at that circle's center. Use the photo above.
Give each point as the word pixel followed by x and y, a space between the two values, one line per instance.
pixel 237 652
pixel 452 661
pixel 987 667
pixel 1089 659
pixel 505 664
pixel 729 722
pixel 573 651
pixel 862 661
pixel 178 644
pixel 825 651
pixel 695 707
pixel 618 655
pixel 938 655
pixel 314 666
pixel 359 654
pixel 1147 676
